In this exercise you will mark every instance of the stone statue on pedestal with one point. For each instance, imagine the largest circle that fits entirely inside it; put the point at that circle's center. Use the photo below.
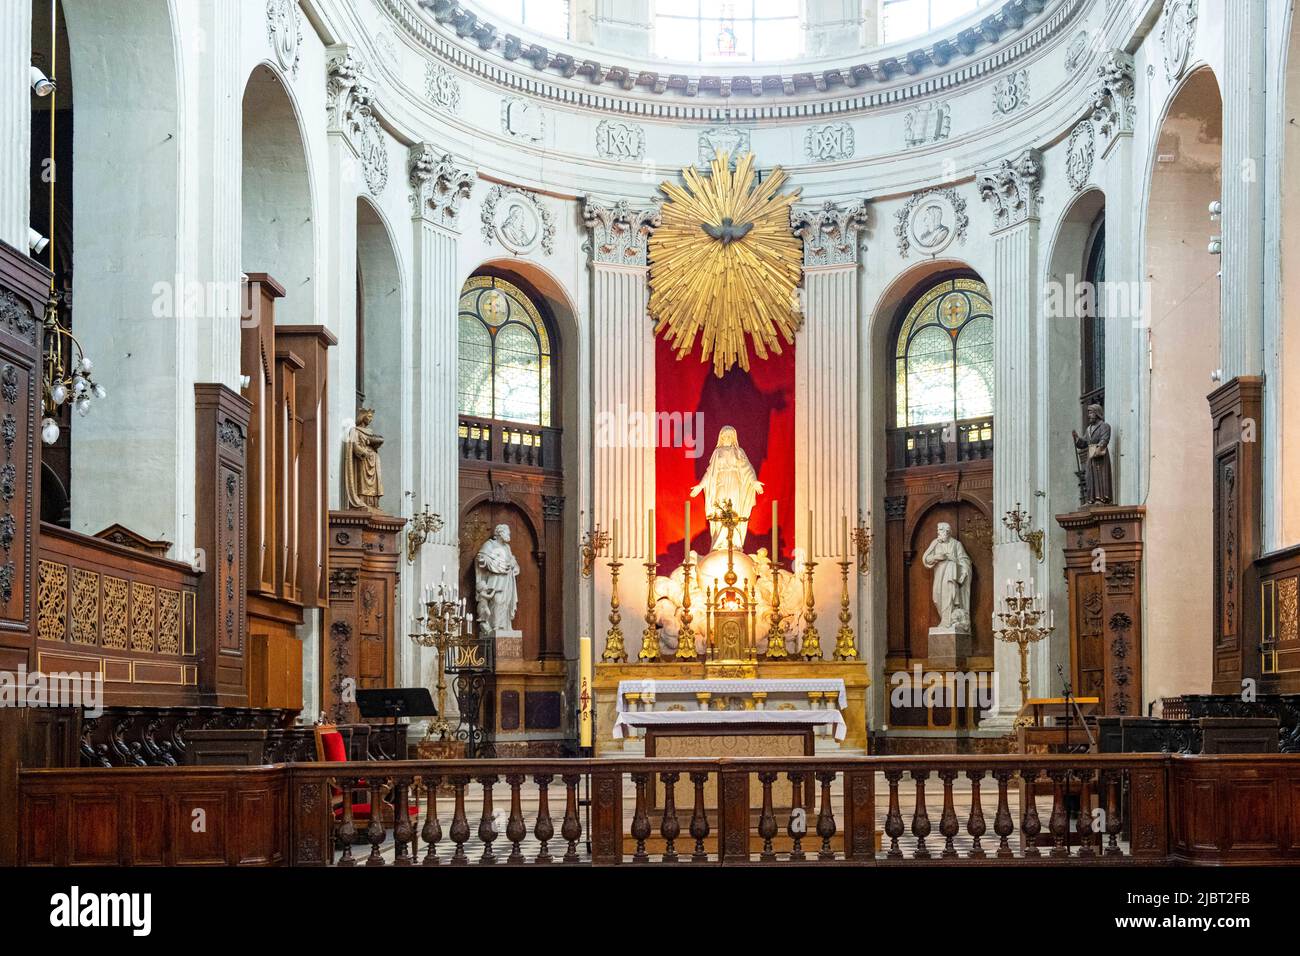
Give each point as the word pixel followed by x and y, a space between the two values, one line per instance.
pixel 1096 465
pixel 363 483
pixel 496 588
pixel 947 558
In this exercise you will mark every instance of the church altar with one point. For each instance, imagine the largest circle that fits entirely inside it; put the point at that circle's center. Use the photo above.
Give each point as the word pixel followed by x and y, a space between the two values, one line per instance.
pixel 713 693
pixel 722 721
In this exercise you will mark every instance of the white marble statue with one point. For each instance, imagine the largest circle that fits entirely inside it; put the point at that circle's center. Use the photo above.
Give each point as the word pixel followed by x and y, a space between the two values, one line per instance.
pixel 495 584
pixel 947 558
pixel 729 477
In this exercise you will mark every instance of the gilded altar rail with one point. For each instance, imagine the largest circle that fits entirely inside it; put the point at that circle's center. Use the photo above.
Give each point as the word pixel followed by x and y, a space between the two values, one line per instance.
pixel 1137 809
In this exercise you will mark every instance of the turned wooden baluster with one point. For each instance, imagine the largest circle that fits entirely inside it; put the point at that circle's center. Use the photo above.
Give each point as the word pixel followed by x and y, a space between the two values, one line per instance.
pixel 1030 826
pixel 1002 824
pixel 571 827
pixel 516 829
pixel 1113 822
pixel 920 817
pixel 894 818
pixel 797 825
pixel 975 822
pixel 375 830
pixel 669 827
pixel 348 830
pixel 459 831
pixel 487 823
pixel 402 829
pixel 640 818
pixel 431 832
pixel 1059 821
pixel 766 818
pixel 544 829
pixel 1086 833
pixel 826 816
pixel 699 818
pixel 948 824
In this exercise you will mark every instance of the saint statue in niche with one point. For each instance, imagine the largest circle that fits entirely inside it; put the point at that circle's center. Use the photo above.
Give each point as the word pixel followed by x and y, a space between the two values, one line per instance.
pixel 1096 463
pixel 947 558
pixel 496 588
pixel 362 476
pixel 729 477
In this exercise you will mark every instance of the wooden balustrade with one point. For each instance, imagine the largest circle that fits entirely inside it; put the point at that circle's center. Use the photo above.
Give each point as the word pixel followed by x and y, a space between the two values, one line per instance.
pixel 903 811
pixel 529 447
pixel 941 443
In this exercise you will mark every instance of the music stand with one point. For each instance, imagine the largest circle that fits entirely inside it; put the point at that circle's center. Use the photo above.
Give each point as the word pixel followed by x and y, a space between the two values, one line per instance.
pixel 396 702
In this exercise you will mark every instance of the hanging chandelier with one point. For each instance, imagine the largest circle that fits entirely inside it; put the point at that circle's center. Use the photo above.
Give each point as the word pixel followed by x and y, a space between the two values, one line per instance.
pixel 66 370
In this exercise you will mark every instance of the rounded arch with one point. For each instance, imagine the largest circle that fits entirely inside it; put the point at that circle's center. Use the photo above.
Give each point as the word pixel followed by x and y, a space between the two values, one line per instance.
pixel 1183 335
pixel 278 207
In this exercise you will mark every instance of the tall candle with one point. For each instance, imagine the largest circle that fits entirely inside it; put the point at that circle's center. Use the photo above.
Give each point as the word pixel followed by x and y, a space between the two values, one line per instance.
pixel 650 534
pixel 613 545
pixel 776 540
pixel 686 547
pixel 844 534
pixel 810 535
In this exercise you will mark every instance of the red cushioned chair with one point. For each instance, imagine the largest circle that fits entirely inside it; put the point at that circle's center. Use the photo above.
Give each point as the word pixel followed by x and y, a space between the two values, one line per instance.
pixel 331 747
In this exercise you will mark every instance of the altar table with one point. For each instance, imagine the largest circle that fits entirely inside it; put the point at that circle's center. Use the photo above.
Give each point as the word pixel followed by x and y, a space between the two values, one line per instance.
pixel 720 721
pixel 729 686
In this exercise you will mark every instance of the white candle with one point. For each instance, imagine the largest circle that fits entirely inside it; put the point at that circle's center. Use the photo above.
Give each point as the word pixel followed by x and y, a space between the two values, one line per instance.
pixel 776 540
pixel 686 546
pixel 650 534
pixel 613 549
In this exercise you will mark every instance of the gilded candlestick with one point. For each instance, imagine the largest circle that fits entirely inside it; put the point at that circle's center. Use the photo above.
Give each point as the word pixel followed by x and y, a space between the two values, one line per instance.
pixel 1024 622
pixel 846 648
pixel 776 631
pixel 650 636
pixel 614 636
pixel 811 647
pixel 686 636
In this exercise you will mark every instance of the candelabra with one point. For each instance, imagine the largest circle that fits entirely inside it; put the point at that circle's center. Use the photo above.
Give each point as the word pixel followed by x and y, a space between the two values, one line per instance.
pixel 862 538
pixel 442 625
pixel 846 648
pixel 1020 523
pixel 67 373
pixel 614 636
pixel 650 636
pixel 811 647
pixel 686 636
pixel 422 525
pixel 1023 622
pixel 776 630
pixel 593 546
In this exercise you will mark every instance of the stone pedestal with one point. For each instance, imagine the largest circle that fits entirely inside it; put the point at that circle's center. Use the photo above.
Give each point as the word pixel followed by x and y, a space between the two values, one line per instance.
pixel 947 646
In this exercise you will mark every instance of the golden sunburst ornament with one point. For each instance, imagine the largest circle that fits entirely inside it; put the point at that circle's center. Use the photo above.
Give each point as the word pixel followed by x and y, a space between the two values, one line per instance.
pixel 725 264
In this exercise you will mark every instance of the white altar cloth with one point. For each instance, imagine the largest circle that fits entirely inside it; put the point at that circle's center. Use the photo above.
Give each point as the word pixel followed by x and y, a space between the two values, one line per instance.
pixel 772 685
pixel 629 719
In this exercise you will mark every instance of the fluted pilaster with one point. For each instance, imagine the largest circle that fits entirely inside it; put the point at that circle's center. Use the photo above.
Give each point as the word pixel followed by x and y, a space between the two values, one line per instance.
pixel 15 122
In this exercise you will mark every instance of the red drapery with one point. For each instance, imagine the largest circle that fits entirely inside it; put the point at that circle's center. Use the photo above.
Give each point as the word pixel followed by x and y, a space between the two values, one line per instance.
pixel 759 404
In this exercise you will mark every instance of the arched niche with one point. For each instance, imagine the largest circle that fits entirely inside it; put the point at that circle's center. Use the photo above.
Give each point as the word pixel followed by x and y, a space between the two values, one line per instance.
pixel 1183 340
pixel 279 224
pixel 383 346
pixel 557 552
pixel 126 223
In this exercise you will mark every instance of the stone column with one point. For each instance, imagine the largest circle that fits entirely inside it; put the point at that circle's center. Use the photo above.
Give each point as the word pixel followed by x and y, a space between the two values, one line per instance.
pixel 829 402
pixel 15 122
pixel 1011 189
pixel 1244 120
pixel 618 26
pixel 438 184
pixel 835 27
pixel 1127 321
pixel 623 384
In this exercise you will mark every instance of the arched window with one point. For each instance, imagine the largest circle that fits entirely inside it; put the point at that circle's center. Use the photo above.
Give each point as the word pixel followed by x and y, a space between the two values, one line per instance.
pixel 1092 330
pixel 944 355
pixel 505 354
pixel 719 31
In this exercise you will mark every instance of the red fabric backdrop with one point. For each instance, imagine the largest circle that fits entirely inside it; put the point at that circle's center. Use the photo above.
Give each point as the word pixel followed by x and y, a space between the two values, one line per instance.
pixel 759 404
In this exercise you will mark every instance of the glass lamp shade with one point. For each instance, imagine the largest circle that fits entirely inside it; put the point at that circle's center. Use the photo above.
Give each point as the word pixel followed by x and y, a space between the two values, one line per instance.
pixel 49 431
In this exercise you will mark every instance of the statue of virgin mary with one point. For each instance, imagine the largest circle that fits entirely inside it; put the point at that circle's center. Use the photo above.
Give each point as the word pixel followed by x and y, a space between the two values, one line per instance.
pixel 729 477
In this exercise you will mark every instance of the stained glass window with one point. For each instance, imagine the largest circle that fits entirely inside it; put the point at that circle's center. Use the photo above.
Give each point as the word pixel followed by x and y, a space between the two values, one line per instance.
pixel 505 354
pixel 944 355
pixel 720 31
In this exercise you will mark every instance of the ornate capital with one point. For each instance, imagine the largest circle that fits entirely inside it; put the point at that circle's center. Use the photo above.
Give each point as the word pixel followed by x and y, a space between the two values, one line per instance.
pixel 349 105
pixel 831 235
pixel 619 233
pixel 1011 188
pixel 437 185
pixel 1113 107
